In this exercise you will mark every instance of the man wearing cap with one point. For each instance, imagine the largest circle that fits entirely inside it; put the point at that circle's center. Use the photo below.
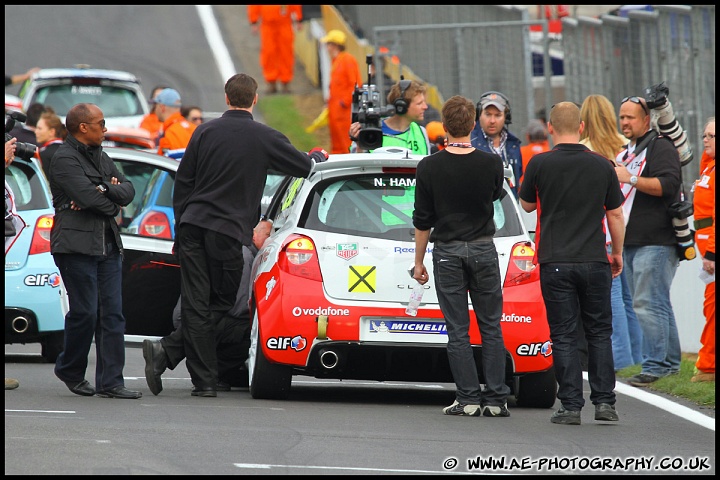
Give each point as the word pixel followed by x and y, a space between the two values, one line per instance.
pixel 492 135
pixel 151 122
pixel 177 129
pixel 344 77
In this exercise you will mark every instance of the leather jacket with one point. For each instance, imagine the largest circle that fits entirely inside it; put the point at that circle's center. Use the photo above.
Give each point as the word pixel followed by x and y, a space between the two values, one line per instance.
pixel 77 171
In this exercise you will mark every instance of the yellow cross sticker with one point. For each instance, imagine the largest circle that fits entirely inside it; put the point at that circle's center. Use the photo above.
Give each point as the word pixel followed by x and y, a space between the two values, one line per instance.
pixel 361 279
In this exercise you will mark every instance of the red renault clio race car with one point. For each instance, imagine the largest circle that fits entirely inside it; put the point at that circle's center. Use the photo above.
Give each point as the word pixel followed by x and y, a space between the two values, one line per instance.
pixel 331 286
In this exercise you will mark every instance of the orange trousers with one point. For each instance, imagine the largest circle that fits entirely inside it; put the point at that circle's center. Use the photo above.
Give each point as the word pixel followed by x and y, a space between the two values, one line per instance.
pixel 706 355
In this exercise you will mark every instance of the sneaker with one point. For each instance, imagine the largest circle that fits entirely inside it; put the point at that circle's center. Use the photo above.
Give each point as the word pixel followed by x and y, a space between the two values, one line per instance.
pixel 495 411
pixel 703 377
pixel 606 412
pixel 458 408
pixel 642 380
pixel 566 417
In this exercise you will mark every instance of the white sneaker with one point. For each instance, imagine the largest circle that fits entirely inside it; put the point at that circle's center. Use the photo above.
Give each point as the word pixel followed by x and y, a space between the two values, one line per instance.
pixel 458 408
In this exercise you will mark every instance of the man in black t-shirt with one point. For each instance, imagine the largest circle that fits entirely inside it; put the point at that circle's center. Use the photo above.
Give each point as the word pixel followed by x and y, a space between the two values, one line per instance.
pixel 573 189
pixel 454 193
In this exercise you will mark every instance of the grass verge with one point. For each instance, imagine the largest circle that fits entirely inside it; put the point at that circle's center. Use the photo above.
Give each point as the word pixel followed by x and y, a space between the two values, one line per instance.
pixel 280 113
pixel 701 393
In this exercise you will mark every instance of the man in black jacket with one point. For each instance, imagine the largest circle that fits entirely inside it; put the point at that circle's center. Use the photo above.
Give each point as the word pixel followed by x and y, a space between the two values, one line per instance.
pixel 88 191
pixel 218 189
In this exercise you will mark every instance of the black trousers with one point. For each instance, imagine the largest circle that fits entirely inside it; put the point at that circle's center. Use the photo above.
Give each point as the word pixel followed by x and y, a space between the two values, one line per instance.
pixel 232 336
pixel 211 265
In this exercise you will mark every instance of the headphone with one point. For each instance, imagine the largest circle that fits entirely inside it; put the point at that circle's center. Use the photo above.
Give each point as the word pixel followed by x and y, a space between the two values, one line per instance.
pixel 401 106
pixel 508 112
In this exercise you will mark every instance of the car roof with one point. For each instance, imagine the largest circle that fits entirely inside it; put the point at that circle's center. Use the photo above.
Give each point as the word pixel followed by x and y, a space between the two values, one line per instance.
pixel 393 157
pixel 142 156
pixel 74 72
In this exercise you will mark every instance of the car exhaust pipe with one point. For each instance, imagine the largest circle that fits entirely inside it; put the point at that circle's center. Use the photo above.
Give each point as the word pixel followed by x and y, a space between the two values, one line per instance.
pixel 329 359
pixel 20 324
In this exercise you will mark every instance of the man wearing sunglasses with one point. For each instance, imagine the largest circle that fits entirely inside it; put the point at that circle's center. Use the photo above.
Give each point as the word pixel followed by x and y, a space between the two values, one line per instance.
pixel 88 191
pixel 650 180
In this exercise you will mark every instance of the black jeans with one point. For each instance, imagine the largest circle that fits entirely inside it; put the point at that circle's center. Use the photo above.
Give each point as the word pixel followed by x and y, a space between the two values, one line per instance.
pixel 94 286
pixel 574 293
pixel 459 268
pixel 211 266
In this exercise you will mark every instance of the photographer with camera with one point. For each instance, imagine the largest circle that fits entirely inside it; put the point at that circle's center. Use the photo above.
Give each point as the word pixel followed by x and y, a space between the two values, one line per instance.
pixel 19 149
pixel 402 128
pixel 650 177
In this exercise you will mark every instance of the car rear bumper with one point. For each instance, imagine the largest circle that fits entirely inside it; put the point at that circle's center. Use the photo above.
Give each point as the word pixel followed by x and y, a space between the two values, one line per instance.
pixel 382 361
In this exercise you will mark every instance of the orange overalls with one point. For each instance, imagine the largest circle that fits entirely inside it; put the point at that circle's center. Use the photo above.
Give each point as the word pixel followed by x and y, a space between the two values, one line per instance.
pixel 344 77
pixel 152 124
pixel 277 37
pixel 178 131
pixel 704 215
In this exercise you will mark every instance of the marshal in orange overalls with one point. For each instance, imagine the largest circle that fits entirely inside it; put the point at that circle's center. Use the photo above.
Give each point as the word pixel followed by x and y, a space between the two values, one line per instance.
pixel 277 37
pixel 704 216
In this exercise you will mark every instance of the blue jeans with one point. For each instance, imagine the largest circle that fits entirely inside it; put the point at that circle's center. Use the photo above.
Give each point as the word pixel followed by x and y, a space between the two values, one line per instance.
pixel 94 287
pixel 627 334
pixel 460 267
pixel 650 271
pixel 573 293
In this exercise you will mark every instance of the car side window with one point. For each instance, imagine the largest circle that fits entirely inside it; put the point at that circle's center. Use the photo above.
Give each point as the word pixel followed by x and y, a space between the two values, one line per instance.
pixel 150 213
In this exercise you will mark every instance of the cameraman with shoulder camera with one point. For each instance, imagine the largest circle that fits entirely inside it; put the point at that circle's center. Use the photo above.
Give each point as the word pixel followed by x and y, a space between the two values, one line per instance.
pixel 650 177
pixel 403 128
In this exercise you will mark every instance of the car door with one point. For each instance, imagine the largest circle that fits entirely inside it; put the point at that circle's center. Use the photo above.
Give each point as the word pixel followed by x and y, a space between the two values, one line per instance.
pixel 151 273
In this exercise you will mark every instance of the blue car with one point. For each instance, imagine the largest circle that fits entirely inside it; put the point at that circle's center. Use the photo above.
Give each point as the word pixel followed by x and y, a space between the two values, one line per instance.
pixel 35 297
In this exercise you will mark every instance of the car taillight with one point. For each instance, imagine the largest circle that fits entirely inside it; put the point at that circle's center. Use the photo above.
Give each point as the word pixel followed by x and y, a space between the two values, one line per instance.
pixel 299 258
pixel 155 224
pixel 520 267
pixel 41 236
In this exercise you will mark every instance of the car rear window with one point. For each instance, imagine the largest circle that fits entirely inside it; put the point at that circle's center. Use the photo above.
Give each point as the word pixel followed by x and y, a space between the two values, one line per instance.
pixel 26 184
pixel 381 206
pixel 114 101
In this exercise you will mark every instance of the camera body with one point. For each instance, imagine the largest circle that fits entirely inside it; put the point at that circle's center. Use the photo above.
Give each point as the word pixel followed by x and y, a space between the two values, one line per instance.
pixel 23 150
pixel 369 112
pixel 664 121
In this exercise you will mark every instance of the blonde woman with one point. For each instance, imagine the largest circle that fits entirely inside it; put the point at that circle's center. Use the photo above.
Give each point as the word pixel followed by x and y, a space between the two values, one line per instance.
pixel 601 127
pixel 601 135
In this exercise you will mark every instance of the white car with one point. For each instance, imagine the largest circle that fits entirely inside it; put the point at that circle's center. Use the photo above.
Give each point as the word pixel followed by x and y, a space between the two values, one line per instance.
pixel 118 94
pixel 331 285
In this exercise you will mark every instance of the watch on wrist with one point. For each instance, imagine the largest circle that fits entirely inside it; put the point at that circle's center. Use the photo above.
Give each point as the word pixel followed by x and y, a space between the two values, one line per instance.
pixel 633 180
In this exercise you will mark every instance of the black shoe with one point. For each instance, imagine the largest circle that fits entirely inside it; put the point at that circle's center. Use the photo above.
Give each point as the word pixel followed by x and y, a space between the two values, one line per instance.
pixel 566 417
pixel 119 392
pixel 203 392
pixel 222 387
pixel 155 364
pixel 606 412
pixel 83 388
pixel 642 380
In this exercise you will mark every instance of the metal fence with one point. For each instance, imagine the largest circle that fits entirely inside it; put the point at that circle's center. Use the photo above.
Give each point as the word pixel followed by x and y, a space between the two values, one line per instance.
pixel 469 49
pixel 618 56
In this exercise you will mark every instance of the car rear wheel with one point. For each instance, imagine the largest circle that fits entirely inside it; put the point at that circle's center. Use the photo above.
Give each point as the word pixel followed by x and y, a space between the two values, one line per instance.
pixel 537 390
pixel 267 380
pixel 52 346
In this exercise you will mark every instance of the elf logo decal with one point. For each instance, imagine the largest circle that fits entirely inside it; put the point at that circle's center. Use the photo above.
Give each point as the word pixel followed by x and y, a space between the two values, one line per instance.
pixel 52 279
pixel 532 350
pixel 297 343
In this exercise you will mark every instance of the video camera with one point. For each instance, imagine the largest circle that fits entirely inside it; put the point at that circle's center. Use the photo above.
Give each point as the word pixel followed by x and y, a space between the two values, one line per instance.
pixel 22 150
pixel 368 110
pixel 663 118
